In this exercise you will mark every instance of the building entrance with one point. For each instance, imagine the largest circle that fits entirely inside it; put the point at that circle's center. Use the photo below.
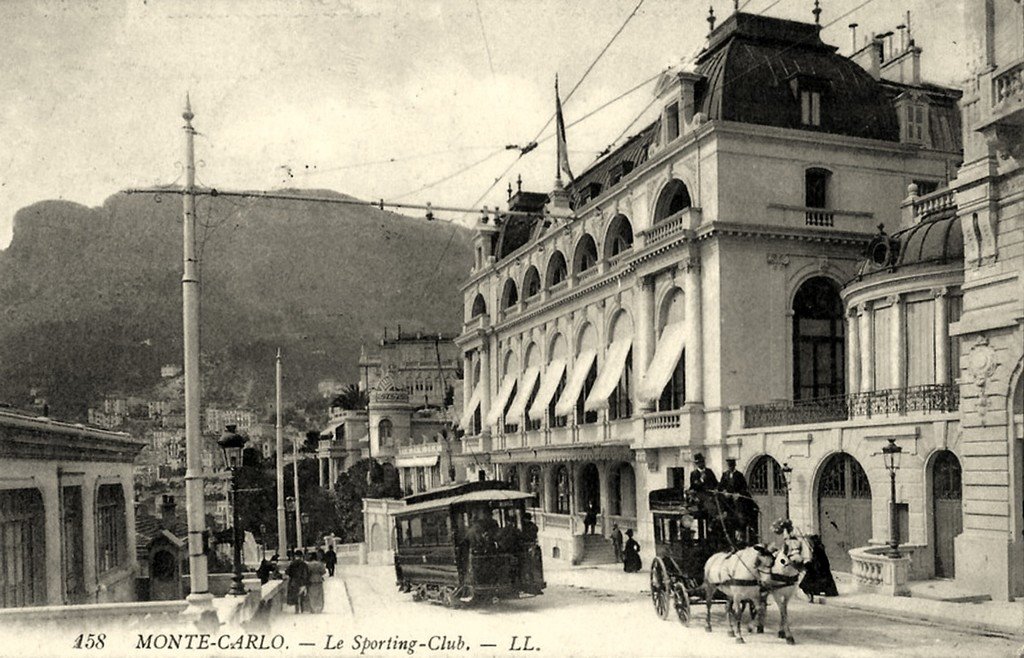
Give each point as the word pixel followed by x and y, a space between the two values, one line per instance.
pixel 844 509
pixel 947 511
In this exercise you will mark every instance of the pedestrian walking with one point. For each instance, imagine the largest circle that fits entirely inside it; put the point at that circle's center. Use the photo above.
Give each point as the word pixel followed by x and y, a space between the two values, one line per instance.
pixel 315 589
pixel 330 561
pixel 631 562
pixel 617 542
pixel 298 581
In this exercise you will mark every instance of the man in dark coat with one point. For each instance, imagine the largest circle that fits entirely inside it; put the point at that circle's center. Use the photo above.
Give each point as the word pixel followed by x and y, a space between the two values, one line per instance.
pixel 702 478
pixel 732 480
pixel 298 581
pixel 617 542
pixel 330 561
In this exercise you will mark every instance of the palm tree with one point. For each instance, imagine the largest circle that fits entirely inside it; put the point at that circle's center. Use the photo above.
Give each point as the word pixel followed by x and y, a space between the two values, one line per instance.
pixel 351 399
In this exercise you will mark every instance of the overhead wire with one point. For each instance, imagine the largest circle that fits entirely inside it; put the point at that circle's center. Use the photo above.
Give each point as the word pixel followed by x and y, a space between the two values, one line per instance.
pixel 487 45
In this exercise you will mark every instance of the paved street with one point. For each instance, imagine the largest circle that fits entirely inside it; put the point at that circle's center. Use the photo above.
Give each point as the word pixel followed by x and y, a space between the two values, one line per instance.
pixel 577 621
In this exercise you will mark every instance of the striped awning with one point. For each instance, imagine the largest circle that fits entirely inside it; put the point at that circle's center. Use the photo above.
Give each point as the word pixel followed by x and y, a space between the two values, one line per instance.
pixel 608 377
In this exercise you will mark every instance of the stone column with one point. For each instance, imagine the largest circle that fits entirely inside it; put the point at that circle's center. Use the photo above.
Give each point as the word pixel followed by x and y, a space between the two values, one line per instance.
pixel 605 495
pixel 320 470
pixel 942 336
pixel 90 583
pixel 332 471
pixel 550 486
pixel 644 338
pixel 50 488
pixel 485 380
pixel 897 344
pixel 867 343
pixel 852 351
pixel 694 333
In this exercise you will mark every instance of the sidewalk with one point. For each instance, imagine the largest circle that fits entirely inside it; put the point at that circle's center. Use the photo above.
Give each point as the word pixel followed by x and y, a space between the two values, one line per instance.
pixel 992 617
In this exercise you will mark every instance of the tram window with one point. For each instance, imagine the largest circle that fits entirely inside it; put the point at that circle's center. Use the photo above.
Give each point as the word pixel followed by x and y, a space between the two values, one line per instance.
pixel 673 530
pixel 657 529
pixel 398 534
pixel 415 531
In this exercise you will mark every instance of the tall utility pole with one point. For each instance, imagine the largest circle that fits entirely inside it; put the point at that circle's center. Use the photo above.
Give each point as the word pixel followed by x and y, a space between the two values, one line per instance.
pixel 199 597
pixel 298 505
pixel 282 520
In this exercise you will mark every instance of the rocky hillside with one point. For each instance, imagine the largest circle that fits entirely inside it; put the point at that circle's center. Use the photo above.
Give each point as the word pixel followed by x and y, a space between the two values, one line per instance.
pixel 90 298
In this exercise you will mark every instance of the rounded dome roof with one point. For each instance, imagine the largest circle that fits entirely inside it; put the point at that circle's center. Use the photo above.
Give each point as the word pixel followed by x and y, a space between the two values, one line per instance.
pixel 756 66
pixel 935 240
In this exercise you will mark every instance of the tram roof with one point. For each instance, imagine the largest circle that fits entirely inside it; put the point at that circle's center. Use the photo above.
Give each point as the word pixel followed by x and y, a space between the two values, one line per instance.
pixel 484 495
pixel 672 499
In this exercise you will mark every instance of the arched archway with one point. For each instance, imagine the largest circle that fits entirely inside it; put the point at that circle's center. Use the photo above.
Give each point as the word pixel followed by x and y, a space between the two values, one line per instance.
pixel 531 283
pixel 535 484
pixel 819 353
pixel 377 542
pixel 673 198
pixel 557 272
pixel 947 510
pixel 385 432
pixel 479 306
pixel 619 237
pixel 585 256
pixel 844 508
pixel 767 484
pixel 509 294
pixel 589 488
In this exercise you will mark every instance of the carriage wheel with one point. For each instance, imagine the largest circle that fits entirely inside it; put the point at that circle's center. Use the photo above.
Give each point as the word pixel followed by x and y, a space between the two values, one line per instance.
pixel 681 602
pixel 659 588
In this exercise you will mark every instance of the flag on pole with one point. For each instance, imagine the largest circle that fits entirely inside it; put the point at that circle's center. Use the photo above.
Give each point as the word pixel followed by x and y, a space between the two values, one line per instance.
pixel 563 151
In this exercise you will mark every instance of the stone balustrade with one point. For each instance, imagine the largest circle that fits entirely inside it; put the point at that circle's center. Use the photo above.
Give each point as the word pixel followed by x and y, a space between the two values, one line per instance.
pixel 931 203
pixel 671 226
pixel 1008 86
pixel 877 573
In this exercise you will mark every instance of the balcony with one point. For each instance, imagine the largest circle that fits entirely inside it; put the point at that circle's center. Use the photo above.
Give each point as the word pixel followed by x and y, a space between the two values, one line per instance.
pixel 1008 89
pixel 476 444
pixel 421 449
pixel 931 203
pixel 672 226
pixel 589 433
pixel 802 217
pixel 930 398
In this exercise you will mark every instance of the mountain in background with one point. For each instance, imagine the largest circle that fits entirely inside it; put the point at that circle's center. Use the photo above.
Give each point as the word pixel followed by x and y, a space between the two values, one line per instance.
pixel 90 298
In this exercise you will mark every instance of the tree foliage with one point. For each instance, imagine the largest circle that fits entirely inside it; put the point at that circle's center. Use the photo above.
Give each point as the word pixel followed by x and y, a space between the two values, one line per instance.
pixel 367 478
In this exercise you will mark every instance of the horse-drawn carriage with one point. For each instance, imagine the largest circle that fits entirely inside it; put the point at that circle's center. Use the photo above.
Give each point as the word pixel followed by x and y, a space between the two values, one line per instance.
pixel 706 552
pixel 690 527
pixel 467 543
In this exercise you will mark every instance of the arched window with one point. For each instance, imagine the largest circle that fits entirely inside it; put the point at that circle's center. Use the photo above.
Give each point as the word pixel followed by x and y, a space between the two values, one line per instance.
pixel 509 295
pixel 619 237
pixel 585 256
pixel 557 270
pixel 671 317
pixel 818 350
pixel 384 432
pixel 816 184
pixel 531 283
pixel 535 483
pixel 673 198
pixel 562 490
pixel 479 307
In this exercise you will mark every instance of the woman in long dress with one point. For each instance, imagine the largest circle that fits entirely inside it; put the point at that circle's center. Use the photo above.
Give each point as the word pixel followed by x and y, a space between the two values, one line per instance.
pixel 316 583
pixel 631 554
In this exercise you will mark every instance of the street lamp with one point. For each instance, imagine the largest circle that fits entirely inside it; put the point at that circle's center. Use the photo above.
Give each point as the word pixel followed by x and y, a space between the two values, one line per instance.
pixel 289 505
pixel 891 452
pixel 232 443
pixel 787 473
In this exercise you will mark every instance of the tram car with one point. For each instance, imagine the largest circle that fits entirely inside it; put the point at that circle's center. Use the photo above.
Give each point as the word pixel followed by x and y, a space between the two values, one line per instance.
pixel 468 543
pixel 690 527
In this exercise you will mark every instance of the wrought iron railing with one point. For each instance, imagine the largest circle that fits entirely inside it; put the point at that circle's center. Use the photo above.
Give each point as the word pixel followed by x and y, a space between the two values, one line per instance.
pixel 929 398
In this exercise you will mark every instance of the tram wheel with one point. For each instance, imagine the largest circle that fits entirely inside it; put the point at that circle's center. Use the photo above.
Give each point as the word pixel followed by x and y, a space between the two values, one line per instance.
pixel 681 602
pixel 659 588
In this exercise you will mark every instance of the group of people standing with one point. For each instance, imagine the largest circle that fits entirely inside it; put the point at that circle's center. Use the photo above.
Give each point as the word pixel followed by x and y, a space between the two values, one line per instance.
pixel 305 574
pixel 627 553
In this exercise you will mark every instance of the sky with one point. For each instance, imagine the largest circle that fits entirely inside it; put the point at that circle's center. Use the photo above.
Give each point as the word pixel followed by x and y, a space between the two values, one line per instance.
pixel 378 99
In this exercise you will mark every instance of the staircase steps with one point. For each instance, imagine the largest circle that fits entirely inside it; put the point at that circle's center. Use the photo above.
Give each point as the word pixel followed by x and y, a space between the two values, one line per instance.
pixel 597 550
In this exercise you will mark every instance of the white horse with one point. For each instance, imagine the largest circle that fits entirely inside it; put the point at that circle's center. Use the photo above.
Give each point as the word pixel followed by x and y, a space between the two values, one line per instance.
pixel 781 582
pixel 738 575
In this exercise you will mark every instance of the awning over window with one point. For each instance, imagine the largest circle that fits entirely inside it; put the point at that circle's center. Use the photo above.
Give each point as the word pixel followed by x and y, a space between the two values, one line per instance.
pixel 526 384
pixel 567 402
pixel 609 375
pixel 412 462
pixel 548 384
pixel 474 401
pixel 498 404
pixel 666 357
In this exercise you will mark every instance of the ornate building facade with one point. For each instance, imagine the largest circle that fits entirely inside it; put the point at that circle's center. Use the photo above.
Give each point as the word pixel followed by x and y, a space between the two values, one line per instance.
pixel 685 293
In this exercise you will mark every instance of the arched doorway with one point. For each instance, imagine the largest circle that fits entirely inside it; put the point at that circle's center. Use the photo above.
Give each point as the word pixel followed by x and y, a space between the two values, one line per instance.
pixel 590 488
pixel 535 484
pixel 844 508
pixel 947 510
pixel 512 475
pixel 767 484
pixel 164 583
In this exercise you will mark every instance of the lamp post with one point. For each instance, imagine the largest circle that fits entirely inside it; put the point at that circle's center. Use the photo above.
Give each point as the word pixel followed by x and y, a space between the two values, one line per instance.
pixel 304 516
pixel 289 505
pixel 891 452
pixel 232 443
